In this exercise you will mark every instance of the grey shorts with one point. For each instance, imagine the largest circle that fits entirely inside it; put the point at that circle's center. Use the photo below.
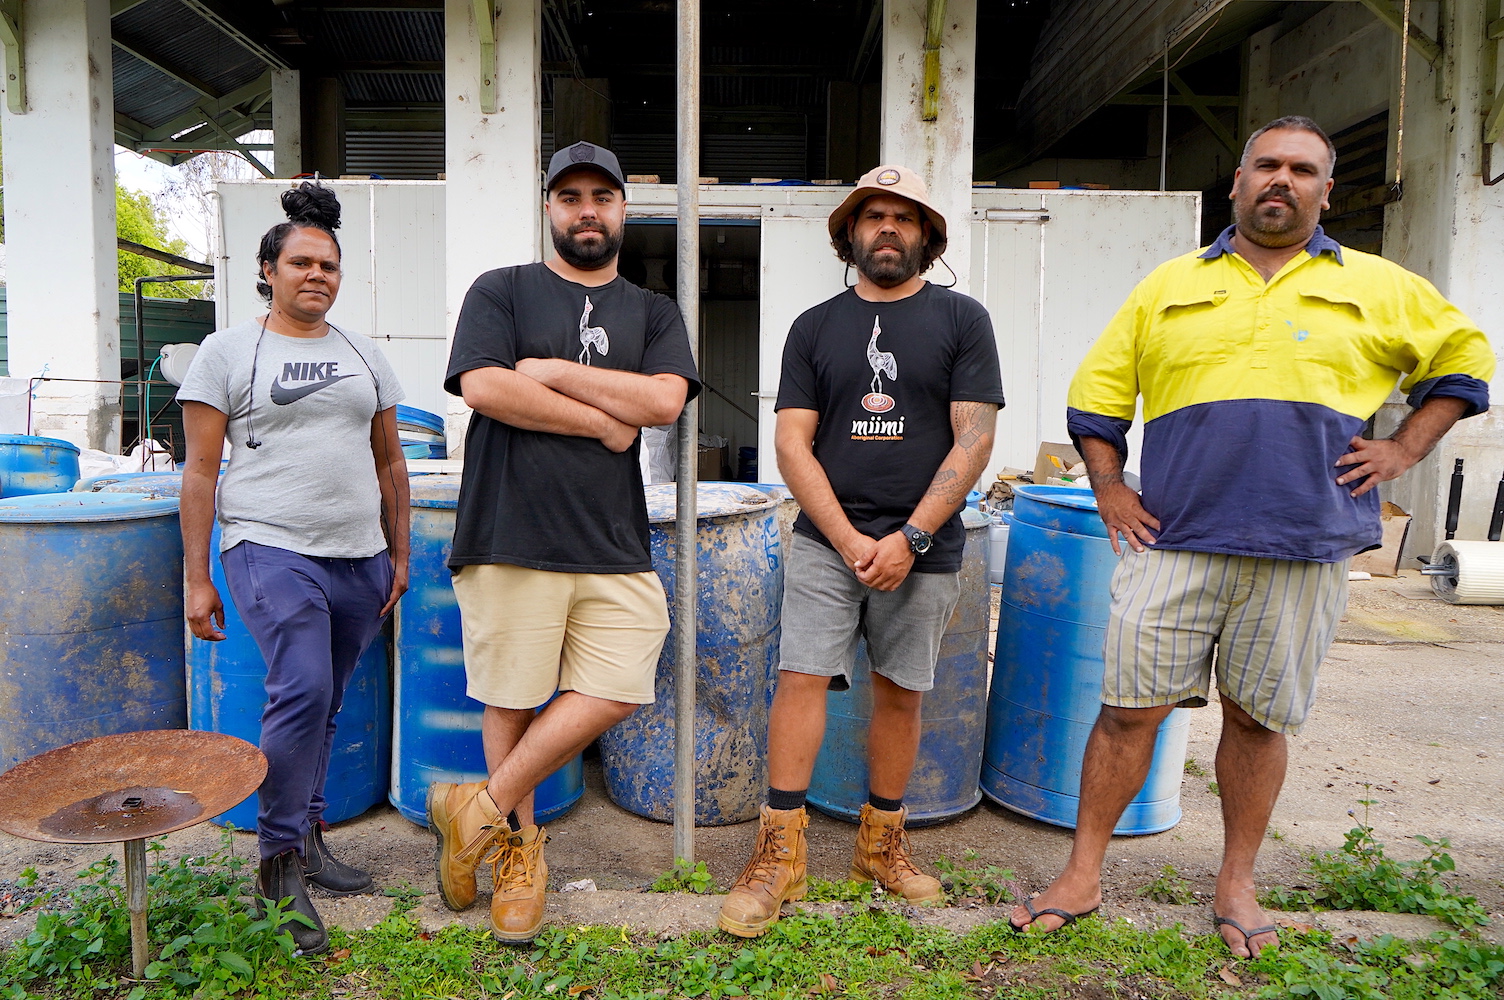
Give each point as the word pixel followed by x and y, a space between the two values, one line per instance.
pixel 827 610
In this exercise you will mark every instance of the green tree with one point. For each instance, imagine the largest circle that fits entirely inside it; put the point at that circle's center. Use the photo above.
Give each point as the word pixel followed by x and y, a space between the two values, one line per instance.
pixel 138 219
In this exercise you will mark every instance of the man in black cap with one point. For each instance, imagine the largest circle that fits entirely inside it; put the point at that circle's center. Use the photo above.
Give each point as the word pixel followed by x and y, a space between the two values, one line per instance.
pixel 563 362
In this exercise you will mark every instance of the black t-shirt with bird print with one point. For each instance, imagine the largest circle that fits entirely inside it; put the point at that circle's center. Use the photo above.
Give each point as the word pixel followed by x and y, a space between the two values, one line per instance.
pixel 882 376
pixel 551 501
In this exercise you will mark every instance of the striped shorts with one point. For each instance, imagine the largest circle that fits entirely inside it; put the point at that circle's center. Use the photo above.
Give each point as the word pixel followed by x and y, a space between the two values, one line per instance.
pixel 1270 622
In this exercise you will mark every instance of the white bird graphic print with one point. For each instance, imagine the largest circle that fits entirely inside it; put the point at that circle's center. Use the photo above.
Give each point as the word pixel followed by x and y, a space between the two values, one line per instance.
pixel 591 336
pixel 882 362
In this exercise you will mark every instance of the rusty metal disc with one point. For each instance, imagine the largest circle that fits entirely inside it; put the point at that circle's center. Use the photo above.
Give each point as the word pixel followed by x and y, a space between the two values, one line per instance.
pixel 128 786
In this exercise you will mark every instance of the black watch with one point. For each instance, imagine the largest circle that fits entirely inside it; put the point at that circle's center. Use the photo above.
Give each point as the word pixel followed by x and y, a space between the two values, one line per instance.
pixel 919 541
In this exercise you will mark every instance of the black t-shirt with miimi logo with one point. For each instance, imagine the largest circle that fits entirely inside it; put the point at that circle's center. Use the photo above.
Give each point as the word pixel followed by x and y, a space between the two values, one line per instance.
pixel 551 501
pixel 882 376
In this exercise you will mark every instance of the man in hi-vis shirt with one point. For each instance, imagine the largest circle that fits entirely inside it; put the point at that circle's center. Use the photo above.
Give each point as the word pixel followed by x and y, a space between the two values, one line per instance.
pixel 886 410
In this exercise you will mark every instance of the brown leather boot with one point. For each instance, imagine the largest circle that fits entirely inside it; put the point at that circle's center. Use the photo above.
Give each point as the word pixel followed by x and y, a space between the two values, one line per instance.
pixel 882 856
pixel 519 877
pixel 466 824
pixel 775 875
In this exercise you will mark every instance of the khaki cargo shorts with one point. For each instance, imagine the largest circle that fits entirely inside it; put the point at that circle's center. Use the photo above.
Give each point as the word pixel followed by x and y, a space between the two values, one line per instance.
pixel 1269 623
pixel 530 632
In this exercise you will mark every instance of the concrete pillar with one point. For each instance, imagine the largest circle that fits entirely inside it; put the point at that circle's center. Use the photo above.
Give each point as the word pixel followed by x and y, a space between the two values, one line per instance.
pixel 940 150
pixel 324 123
pixel 287 122
pixel 63 309
pixel 582 111
pixel 493 215
pixel 1447 228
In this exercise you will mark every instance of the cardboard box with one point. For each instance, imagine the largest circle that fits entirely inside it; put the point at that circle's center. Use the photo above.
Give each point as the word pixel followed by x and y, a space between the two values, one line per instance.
pixel 1044 468
pixel 1385 560
pixel 1044 185
pixel 712 464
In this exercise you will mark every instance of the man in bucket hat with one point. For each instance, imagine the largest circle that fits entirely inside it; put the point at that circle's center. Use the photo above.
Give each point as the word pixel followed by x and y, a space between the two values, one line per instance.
pixel 886 409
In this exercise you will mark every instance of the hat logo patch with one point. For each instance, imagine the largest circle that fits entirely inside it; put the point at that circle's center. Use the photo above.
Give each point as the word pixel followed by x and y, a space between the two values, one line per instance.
pixel 581 153
pixel 887 177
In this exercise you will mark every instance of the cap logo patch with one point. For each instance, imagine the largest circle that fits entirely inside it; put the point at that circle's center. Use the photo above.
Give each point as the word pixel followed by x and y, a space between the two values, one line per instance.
pixel 580 152
pixel 889 176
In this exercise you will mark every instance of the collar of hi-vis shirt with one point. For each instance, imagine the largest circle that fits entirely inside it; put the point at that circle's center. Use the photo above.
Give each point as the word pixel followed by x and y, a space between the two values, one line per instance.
pixel 1225 333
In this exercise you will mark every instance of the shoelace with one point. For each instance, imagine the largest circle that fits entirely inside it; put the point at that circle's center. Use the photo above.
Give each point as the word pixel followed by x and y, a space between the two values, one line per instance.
pixel 895 851
pixel 764 864
pixel 511 869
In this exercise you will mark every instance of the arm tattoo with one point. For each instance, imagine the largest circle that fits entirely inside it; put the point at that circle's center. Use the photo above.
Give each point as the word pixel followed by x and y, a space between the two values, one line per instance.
pixel 971 422
pixel 943 485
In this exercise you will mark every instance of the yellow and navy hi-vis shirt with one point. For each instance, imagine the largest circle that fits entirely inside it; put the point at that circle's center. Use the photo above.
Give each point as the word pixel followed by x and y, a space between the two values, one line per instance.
pixel 1253 390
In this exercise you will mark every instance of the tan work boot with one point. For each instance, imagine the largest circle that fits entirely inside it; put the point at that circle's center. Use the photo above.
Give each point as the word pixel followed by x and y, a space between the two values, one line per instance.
pixel 773 876
pixel 466 824
pixel 519 876
pixel 882 856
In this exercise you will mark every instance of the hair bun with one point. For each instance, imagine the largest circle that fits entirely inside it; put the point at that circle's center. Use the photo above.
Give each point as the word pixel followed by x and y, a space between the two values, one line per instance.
pixel 311 204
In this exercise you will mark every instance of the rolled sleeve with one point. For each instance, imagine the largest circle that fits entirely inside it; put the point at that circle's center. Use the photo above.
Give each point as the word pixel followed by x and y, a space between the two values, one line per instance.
pixel 1113 430
pixel 1444 352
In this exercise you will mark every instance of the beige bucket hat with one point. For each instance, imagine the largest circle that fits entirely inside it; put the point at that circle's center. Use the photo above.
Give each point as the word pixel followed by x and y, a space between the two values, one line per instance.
pixel 887 179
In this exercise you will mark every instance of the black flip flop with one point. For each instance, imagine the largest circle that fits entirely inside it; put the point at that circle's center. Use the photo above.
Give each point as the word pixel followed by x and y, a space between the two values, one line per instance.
pixel 1248 935
pixel 1065 915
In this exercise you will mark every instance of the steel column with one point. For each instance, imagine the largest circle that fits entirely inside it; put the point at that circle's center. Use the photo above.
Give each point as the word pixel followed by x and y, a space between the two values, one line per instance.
pixel 688 273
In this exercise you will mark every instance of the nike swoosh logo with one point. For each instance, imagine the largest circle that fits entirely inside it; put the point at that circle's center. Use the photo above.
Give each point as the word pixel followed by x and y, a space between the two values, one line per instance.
pixel 282 395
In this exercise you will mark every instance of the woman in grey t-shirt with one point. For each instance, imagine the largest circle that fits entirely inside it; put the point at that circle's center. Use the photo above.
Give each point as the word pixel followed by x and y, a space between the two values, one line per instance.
pixel 313 515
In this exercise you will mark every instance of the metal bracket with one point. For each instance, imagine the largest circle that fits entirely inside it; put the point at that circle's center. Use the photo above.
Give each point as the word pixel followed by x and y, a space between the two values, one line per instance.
pixel 1386 11
pixel 15 62
pixel 934 32
pixel 485 26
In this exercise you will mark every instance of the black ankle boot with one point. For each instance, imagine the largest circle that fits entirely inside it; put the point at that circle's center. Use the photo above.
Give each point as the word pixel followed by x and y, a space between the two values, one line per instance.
pixel 281 878
pixel 321 868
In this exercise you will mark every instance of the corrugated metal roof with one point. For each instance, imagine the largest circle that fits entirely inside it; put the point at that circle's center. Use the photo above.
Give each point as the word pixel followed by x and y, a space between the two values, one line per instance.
pixel 387 36
pixel 394 88
pixel 403 156
pixel 174 36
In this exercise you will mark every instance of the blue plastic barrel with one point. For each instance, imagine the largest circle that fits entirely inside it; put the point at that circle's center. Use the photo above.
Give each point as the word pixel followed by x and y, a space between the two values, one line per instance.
pixel 415 427
pixel 1047 676
pixel 95 484
pixel 91 620
pixel 739 559
pixel 31 465
pixel 953 717
pixel 436 726
pixel 227 689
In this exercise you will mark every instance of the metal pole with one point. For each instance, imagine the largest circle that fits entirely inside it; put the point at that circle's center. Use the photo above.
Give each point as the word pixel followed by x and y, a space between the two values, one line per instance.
pixel 135 888
pixel 685 589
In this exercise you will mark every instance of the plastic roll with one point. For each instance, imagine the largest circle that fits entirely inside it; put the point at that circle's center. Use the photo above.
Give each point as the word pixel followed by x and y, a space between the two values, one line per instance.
pixel 1479 577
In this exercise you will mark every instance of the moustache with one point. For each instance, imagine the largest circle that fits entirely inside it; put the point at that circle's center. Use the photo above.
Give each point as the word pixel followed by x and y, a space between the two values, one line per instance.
pixel 1281 196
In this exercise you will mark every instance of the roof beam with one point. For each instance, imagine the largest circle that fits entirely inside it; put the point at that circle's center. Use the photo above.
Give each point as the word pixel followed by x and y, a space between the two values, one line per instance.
pixel 142 250
pixel 1393 16
pixel 1177 101
pixel 118 7
pixel 220 16
pixel 193 83
pixel 1205 114
pixel 236 146
pixel 227 102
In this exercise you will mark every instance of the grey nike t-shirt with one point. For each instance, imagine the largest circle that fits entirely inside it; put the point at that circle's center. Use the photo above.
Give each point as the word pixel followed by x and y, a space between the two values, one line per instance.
pixel 311 485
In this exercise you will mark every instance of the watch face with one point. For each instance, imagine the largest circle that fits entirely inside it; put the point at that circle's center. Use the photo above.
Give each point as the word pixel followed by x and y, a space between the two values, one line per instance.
pixel 919 541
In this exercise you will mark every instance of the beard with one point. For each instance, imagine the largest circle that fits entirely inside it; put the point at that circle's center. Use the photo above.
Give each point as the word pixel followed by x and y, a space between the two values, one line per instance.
pixel 587 256
pixel 892 271
pixel 1273 228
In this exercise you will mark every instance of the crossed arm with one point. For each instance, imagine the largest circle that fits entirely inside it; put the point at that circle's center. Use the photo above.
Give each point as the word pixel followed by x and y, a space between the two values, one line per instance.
pixel 557 396
pixel 883 563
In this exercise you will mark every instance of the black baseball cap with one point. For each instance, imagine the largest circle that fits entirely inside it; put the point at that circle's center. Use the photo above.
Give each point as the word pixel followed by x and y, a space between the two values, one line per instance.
pixel 584 155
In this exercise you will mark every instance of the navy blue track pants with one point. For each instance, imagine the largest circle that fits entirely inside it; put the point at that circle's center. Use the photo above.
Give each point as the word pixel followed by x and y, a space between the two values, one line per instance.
pixel 312 618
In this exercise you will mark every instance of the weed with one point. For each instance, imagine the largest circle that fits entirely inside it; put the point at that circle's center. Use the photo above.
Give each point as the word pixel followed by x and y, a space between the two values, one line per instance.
pixel 1214 788
pixel 1168 887
pixel 991 884
pixel 1194 769
pixel 684 877
pixel 406 895
pixel 204 940
pixel 1363 877
pixel 824 891
pixel 1274 834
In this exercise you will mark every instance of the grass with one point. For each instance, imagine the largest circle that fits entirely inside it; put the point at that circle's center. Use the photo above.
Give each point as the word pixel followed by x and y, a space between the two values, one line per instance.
pixel 989 884
pixel 871 950
pixel 684 877
pixel 1194 769
pixel 1361 876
